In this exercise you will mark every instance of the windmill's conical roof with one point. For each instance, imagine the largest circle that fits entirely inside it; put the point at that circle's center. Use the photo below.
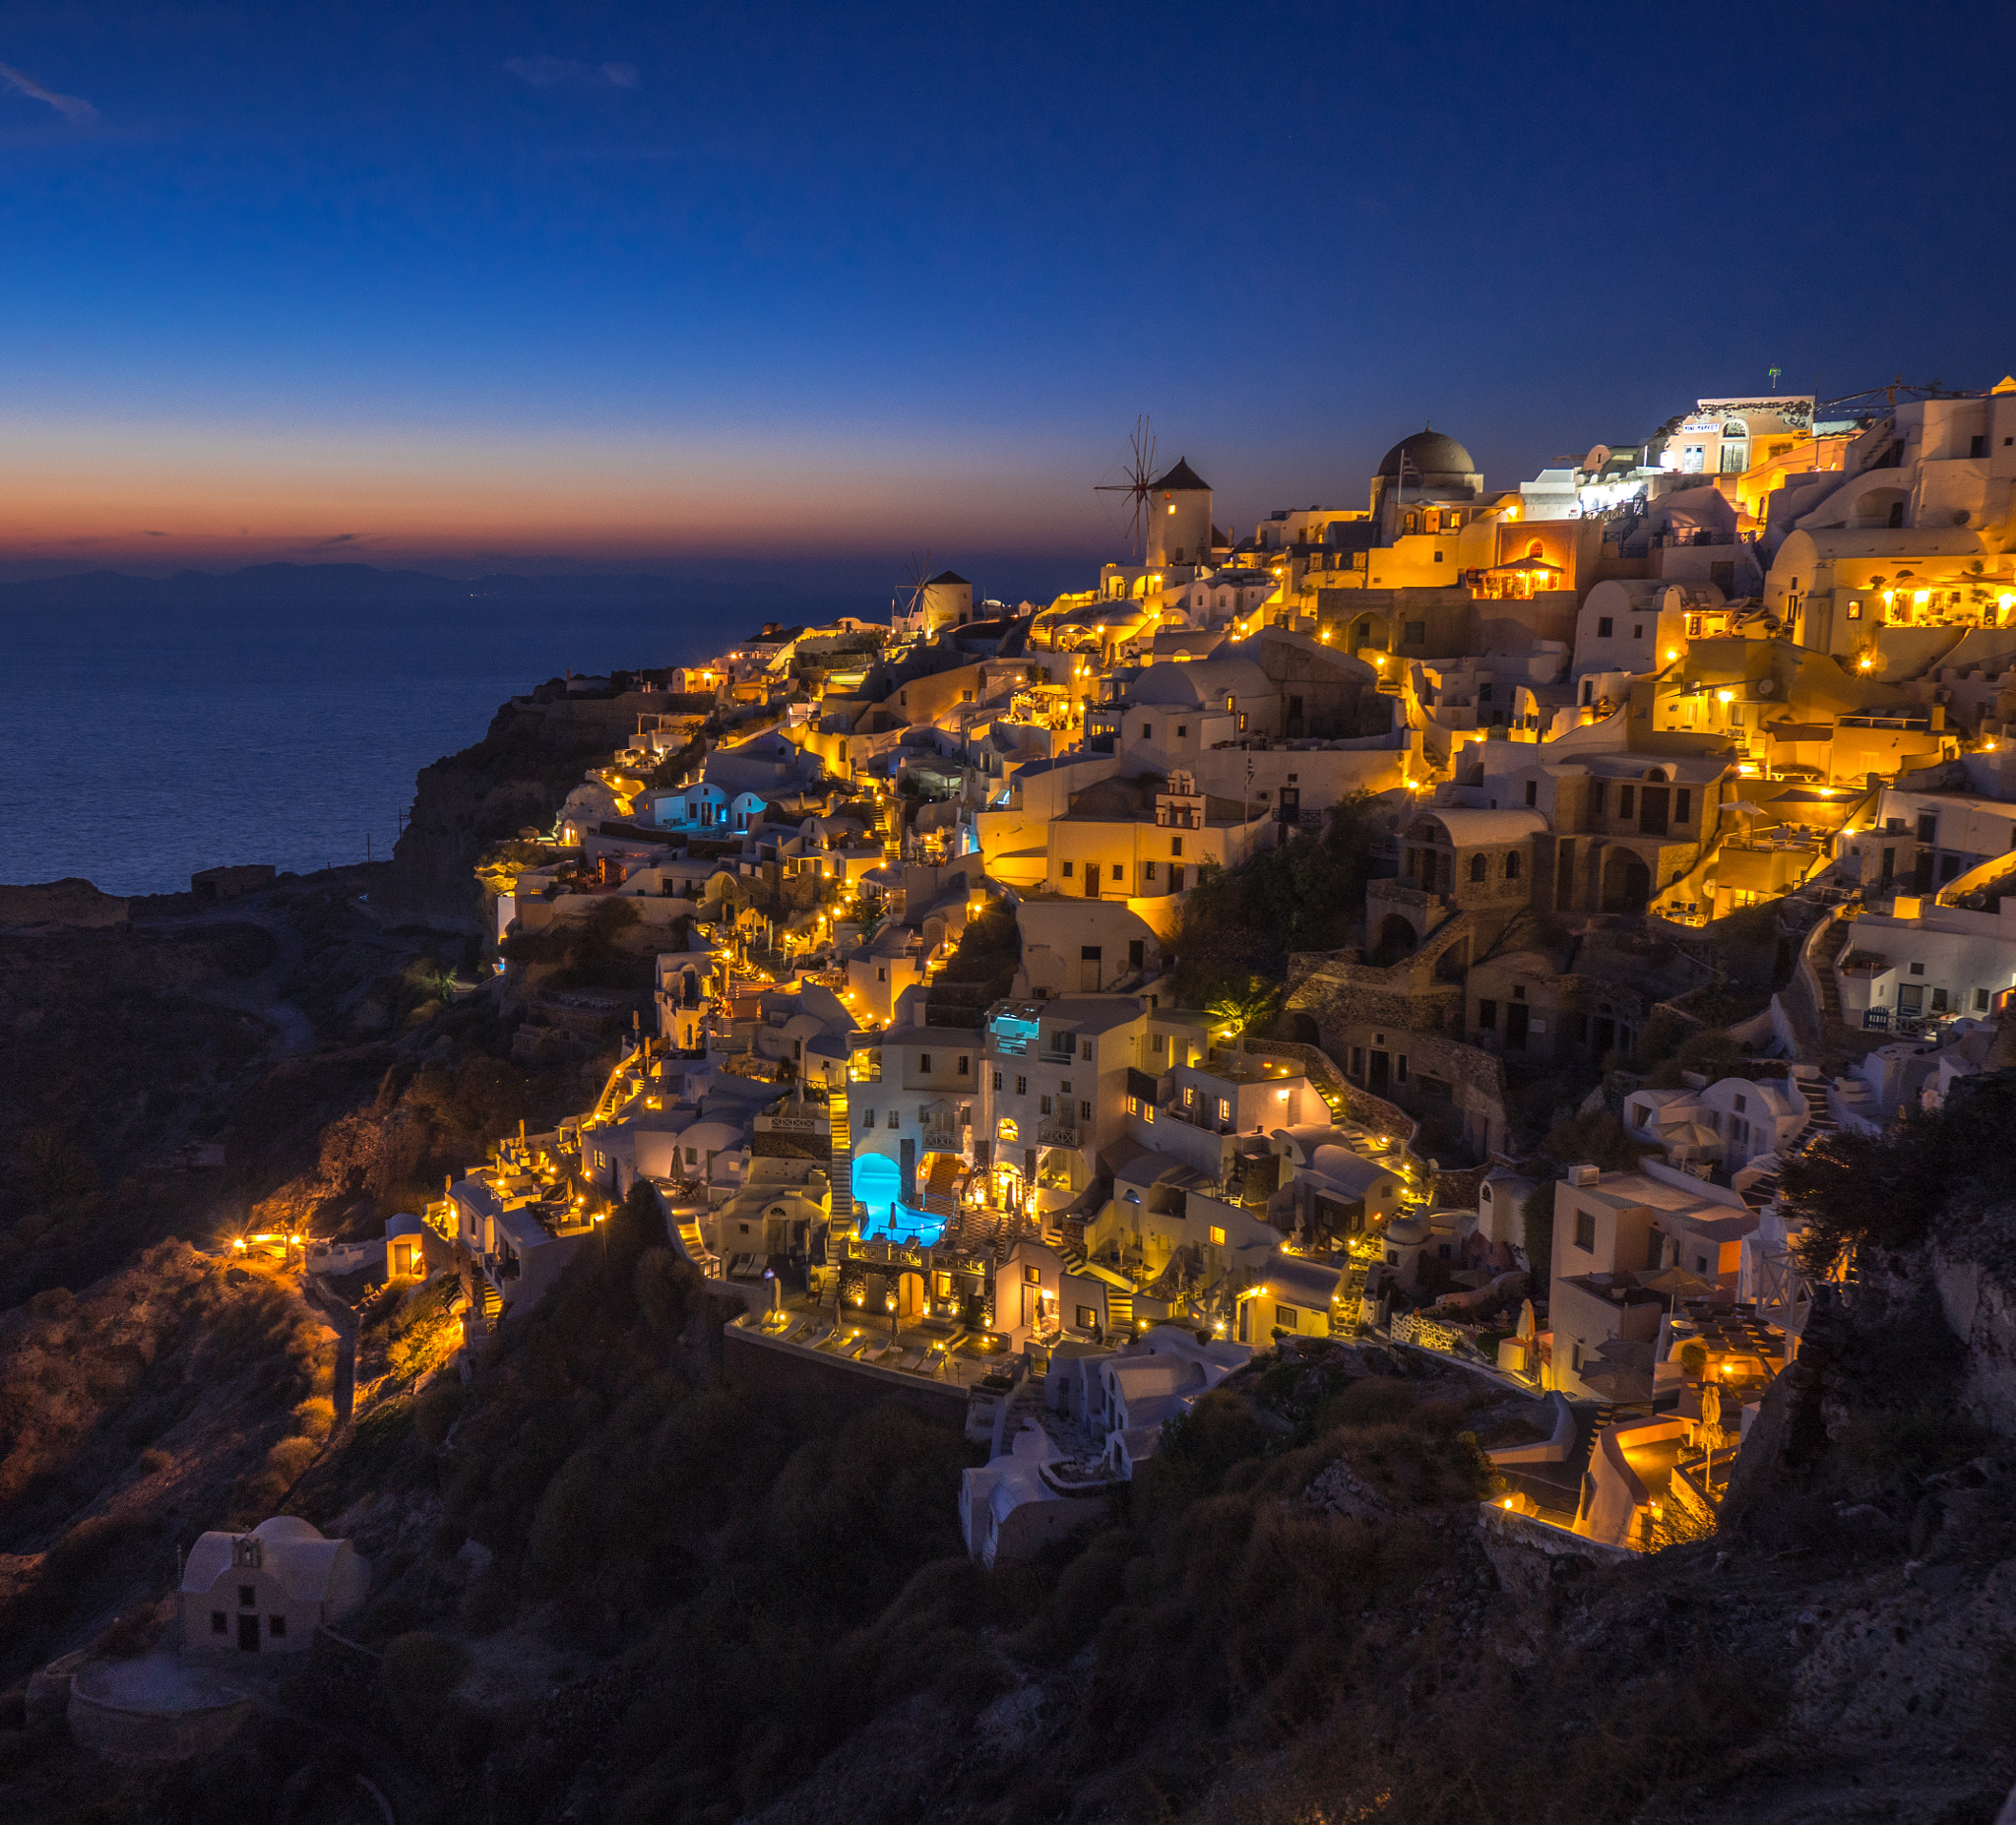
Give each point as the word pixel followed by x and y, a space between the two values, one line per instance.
pixel 1180 479
pixel 949 576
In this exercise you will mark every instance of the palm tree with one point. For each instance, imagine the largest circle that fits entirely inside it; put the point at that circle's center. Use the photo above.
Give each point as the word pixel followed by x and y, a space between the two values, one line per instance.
pixel 1233 1012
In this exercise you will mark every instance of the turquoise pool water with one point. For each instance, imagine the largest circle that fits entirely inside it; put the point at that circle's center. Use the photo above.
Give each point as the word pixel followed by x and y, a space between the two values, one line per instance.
pixel 900 1224
pixel 878 1185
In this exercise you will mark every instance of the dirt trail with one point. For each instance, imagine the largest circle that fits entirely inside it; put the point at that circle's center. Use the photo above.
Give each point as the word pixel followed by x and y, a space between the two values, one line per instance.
pixel 319 1295
pixel 258 995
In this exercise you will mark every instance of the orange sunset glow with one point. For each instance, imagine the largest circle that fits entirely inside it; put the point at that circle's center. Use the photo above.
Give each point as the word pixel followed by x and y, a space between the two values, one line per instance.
pixel 169 494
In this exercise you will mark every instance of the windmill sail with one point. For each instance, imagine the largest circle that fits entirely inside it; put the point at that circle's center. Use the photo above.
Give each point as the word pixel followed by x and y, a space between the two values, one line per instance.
pixel 1137 486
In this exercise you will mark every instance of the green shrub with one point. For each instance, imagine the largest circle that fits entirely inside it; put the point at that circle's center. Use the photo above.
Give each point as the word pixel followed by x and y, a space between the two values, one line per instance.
pixel 291 1456
pixel 1594 1137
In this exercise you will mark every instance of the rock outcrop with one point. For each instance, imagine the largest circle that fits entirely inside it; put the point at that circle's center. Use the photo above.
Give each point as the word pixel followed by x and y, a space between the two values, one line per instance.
pixel 71 903
pixel 520 773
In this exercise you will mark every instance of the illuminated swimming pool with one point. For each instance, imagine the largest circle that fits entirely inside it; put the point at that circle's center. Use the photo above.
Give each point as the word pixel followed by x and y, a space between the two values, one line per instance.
pixel 878 1188
pixel 900 1224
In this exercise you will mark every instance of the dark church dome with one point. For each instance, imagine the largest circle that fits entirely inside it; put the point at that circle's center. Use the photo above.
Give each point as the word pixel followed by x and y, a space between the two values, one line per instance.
pixel 1427 452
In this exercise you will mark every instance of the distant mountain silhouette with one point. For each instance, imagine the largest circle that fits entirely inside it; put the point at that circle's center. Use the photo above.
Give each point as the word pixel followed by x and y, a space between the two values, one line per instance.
pixel 356 582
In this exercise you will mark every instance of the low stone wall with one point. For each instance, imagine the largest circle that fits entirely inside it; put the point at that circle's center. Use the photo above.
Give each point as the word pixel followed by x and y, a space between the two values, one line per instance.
pixel 1529 1554
pixel 120 1712
pixel 1424 1332
pixel 750 1359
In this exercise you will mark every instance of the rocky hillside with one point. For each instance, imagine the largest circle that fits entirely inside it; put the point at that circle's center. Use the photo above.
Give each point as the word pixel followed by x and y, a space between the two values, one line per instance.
pixel 609 1586
pixel 518 775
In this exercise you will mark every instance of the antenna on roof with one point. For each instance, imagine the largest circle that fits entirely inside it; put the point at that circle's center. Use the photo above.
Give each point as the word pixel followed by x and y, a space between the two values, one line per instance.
pixel 1140 473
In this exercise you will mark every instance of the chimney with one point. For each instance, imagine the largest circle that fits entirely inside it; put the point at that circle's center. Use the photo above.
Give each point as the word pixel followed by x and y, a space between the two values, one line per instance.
pixel 1581 1175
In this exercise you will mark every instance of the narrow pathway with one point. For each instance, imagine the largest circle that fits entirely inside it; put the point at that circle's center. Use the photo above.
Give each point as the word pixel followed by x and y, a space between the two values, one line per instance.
pixel 259 995
pixel 316 1291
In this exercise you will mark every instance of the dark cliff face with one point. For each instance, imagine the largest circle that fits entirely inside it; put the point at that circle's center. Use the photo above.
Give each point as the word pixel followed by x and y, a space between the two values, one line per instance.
pixel 519 774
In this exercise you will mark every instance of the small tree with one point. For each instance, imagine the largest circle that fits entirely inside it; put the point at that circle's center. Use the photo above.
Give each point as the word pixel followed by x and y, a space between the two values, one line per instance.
pixel 1536 1235
pixel 1240 1009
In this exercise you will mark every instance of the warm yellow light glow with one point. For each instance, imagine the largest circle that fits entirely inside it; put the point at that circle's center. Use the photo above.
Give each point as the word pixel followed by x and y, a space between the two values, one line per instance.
pixel 1672 652
pixel 1724 697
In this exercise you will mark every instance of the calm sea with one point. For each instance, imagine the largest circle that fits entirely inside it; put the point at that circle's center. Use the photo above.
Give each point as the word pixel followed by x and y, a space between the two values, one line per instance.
pixel 137 747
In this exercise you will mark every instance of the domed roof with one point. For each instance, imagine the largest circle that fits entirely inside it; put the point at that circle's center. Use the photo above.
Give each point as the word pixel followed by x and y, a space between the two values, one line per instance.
pixel 1166 683
pixel 1407 1232
pixel 1429 453
pixel 286 1527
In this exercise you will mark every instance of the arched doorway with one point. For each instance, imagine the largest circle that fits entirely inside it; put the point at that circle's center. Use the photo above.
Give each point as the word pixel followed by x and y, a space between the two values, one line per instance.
pixel 1301 1030
pixel 913 1297
pixel 1367 631
pixel 1396 940
pixel 1626 883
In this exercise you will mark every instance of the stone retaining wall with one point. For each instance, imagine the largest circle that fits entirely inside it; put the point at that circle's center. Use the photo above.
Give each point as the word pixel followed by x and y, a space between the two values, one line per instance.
pixel 750 1359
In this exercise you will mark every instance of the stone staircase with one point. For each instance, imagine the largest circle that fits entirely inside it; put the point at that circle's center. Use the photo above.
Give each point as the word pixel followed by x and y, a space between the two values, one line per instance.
pixel 1832 943
pixel 891 826
pixel 1819 1123
pixel 840 1128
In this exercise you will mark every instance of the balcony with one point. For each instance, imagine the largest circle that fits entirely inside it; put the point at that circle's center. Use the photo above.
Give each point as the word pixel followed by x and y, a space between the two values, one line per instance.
pixel 1056 1134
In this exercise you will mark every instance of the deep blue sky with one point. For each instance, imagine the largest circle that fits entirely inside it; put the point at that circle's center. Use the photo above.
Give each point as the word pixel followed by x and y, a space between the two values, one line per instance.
pixel 623 283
